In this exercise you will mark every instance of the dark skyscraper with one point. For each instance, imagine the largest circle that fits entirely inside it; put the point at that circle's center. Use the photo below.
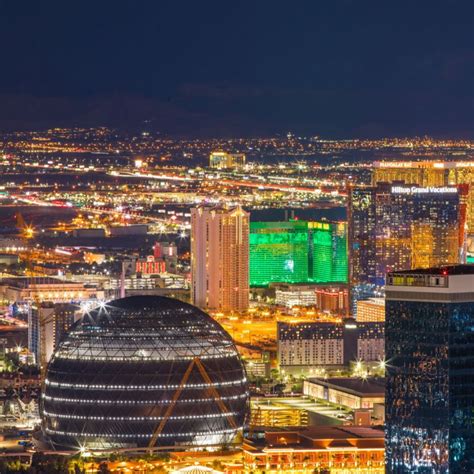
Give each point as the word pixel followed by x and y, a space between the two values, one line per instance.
pixel 430 370
pixel 361 235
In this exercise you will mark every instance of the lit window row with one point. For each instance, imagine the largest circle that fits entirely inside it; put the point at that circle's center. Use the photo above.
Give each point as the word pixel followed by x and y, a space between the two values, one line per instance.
pixel 141 418
pixel 143 387
pixel 140 402
pixel 61 355
pixel 146 336
pixel 147 435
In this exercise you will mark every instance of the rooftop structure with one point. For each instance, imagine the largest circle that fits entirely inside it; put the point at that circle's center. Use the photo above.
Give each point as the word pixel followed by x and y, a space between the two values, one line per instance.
pixel 353 393
pixel 356 386
pixel 334 448
pixel 46 289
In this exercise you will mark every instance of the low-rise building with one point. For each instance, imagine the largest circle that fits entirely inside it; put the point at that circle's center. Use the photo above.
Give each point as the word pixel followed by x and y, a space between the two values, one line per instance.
pixel 331 299
pixel 150 266
pixel 134 229
pixel 290 295
pixel 335 449
pixel 89 233
pixel 351 392
pixel 371 310
pixel 308 345
pixel 9 259
pixel 23 289
pixel 224 160
pixel 12 245
pixel 168 253
pixel 273 414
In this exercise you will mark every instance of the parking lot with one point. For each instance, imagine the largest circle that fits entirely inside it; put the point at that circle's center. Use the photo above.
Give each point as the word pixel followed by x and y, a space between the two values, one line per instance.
pixel 320 412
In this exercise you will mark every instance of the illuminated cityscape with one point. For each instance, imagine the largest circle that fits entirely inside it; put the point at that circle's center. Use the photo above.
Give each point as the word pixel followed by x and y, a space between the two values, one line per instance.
pixel 289 260
pixel 236 240
pixel 288 257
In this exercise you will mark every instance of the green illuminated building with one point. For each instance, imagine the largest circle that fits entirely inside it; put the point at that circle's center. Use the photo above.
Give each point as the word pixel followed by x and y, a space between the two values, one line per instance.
pixel 278 252
pixel 328 245
pixel 297 252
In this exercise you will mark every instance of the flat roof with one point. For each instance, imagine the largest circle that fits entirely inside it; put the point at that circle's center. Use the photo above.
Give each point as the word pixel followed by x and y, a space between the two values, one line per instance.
pixel 370 387
pixel 27 282
pixel 311 286
pixel 460 269
pixel 428 164
pixel 341 432
pixel 318 437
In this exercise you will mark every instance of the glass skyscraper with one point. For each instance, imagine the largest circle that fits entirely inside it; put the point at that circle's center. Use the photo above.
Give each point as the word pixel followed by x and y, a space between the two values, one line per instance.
pixel 430 173
pixel 395 227
pixel 298 252
pixel 430 370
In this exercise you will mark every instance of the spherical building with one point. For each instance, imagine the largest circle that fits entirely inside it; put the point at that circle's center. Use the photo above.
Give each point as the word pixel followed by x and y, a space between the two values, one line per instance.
pixel 144 369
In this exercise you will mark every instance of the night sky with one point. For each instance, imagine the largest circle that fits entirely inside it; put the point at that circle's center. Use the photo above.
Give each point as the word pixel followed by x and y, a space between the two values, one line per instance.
pixel 332 68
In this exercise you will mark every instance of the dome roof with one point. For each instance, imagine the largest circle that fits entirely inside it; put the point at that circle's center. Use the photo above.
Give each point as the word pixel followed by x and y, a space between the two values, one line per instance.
pixel 112 379
pixel 146 328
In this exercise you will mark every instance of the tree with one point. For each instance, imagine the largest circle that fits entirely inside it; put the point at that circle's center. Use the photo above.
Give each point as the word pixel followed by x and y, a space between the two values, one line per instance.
pixel 77 469
pixel 103 468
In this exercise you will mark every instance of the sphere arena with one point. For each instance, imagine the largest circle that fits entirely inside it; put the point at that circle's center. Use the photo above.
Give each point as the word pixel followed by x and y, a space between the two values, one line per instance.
pixel 141 370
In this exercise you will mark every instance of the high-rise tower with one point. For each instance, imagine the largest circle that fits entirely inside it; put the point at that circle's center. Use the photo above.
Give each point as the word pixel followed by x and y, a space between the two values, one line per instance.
pixel 429 344
pixel 397 227
pixel 430 173
pixel 298 251
pixel 220 258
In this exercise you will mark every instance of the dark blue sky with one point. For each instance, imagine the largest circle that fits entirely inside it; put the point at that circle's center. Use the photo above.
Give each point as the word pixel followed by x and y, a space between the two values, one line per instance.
pixel 332 68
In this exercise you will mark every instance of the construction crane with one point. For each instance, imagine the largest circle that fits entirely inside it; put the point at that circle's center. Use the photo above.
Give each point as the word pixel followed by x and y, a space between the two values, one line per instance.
pixel 195 362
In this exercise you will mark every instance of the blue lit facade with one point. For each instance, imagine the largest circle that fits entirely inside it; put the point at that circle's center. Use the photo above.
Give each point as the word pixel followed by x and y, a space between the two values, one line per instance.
pixel 430 377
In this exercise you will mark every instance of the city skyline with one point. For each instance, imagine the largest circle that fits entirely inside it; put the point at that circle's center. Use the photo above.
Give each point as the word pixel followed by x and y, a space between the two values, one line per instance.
pixel 237 238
